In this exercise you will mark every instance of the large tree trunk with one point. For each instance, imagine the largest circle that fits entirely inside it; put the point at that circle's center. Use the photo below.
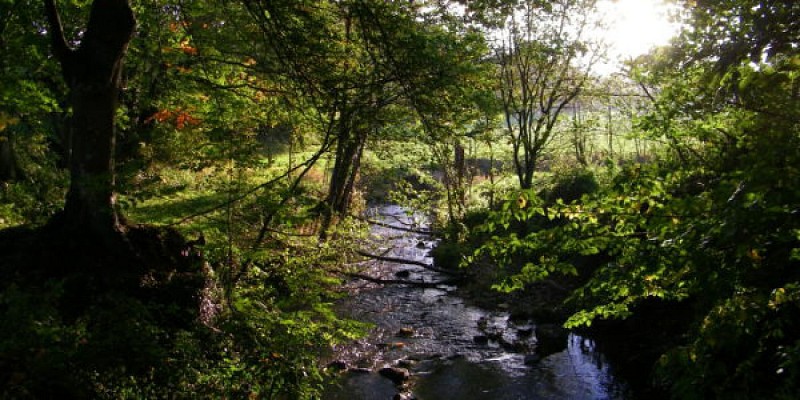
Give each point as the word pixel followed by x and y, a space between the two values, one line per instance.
pixel 92 72
pixel 525 166
pixel 349 150
pixel 345 171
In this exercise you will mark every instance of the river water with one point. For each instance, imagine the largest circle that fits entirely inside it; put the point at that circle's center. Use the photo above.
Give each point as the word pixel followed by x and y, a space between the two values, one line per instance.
pixel 452 349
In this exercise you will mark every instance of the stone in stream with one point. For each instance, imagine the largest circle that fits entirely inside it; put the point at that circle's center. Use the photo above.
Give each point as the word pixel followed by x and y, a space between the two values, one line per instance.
pixel 406 332
pixel 364 363
pixel 495 335
pixel 516 346
pixel 481 339
pixel 524 332
pixel 395 374
pixel 403 274
pixel 337 365
pixel 406 363
pixel 404 396
pixel 421 244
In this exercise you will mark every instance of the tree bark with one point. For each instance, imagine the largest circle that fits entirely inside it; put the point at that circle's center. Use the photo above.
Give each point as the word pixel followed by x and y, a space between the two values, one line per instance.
pixel 349 149
pixel 9 170
pixel 92 73
pixel 345 171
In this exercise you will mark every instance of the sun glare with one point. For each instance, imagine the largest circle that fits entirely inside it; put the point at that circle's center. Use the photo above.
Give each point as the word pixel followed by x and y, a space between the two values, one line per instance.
pixel 635 26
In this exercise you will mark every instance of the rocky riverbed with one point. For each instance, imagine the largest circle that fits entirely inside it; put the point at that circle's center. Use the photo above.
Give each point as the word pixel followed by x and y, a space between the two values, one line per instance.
pixel 428 343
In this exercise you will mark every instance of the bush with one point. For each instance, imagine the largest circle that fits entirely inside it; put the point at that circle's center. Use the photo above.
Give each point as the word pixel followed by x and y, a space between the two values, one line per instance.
pixel 448 255
pixel 572 185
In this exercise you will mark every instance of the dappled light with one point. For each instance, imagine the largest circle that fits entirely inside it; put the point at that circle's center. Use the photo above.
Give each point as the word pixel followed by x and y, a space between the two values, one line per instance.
pixel 369 199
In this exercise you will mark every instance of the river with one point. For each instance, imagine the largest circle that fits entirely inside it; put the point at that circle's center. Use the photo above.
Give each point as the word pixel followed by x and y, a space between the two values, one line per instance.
pixel 452 349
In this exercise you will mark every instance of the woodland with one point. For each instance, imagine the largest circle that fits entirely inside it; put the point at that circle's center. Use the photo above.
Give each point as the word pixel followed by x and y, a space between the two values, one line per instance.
pixel 183 186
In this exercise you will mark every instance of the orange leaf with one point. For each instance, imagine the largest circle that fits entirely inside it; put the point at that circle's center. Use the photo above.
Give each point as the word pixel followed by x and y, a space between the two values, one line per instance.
pixel 189 50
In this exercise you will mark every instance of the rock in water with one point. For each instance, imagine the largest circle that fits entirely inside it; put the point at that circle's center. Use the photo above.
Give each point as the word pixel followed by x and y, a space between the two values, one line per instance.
pixel 337 365
pixel 481 339
pixel 395 374
pixel 406 363
pixel 524 332
pixel 406 332
pixel 403 274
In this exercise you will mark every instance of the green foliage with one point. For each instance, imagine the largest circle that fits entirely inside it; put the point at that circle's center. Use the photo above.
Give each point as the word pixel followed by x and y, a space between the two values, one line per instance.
pixel 448 255
pixel 713 226
pixel 222 99
pixel 569 186
pixel 278 322
pixel 723 243
pixel 264 339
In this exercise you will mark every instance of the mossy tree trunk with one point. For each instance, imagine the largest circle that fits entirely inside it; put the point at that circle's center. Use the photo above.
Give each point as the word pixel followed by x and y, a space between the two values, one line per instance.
pixel 92 73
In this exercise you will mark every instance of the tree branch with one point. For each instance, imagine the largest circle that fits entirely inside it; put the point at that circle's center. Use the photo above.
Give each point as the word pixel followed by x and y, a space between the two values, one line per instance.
pixel 249 192
pixel 61 49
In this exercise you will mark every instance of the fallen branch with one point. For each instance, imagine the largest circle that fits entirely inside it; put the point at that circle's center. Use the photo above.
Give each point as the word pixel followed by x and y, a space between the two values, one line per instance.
pixel 398 219
pixel 404 261
pixel 421 284
pixel 390 226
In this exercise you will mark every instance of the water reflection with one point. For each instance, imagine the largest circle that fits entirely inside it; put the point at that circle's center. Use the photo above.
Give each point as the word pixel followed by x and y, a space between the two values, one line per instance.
pixel 571 374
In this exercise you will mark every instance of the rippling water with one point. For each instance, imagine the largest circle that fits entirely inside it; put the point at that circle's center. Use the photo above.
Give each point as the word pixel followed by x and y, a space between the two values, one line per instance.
pixel 443 354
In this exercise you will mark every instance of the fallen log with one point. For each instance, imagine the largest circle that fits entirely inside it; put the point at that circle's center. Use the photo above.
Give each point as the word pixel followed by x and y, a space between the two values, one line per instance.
pixel 390 226
pixel 420 284
pixel 404 261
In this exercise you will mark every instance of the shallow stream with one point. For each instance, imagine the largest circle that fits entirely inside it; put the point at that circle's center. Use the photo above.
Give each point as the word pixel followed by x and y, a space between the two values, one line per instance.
pixel 454 350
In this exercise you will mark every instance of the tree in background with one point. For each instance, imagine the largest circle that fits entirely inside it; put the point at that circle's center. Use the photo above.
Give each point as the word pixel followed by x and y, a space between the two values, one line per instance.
pixel 543 61
pixel 364 65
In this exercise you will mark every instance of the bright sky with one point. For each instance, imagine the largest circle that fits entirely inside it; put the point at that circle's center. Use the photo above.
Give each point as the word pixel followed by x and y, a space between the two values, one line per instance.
pixel 635 26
